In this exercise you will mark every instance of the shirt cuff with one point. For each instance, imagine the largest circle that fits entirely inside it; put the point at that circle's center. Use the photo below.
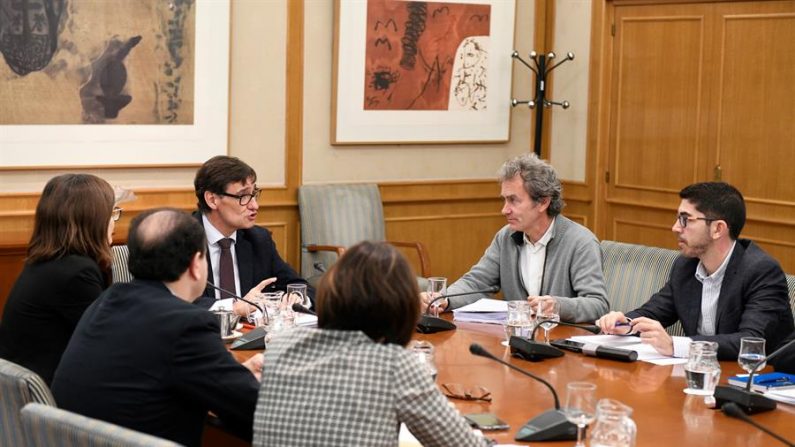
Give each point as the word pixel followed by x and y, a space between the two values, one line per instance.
pixel 681 346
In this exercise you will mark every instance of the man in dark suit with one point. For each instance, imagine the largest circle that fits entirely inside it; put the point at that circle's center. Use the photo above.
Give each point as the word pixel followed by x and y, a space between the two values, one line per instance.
pixel 722 288
pixel 144 357
pixel 242 256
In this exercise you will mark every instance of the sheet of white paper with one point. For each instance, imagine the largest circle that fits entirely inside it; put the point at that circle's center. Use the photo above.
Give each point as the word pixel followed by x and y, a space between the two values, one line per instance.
pixel 225 304
pixel 786 396
pixel 305 320
pixel 484 305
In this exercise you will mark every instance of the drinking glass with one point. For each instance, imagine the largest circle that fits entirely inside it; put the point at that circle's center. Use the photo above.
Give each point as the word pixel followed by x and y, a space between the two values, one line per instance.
pixel 702 370
pixel 519 322
pixel 296 293
pixel 580 408
pixel 424 351
pixel 752 353
pixel 272 303
pixel 437 286
pixel 548 310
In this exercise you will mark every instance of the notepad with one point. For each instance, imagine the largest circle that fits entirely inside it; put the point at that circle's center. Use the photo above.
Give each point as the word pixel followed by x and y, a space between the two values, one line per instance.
pixel 765 382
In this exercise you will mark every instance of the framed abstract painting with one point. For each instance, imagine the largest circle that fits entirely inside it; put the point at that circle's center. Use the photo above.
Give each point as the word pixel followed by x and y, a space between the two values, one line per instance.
pixel 409 72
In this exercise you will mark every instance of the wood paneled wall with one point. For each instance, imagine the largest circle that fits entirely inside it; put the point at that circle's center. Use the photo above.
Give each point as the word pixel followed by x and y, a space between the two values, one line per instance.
pixel 456 220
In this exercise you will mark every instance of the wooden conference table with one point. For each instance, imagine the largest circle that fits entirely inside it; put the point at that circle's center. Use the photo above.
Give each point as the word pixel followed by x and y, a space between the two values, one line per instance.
pixel 665 416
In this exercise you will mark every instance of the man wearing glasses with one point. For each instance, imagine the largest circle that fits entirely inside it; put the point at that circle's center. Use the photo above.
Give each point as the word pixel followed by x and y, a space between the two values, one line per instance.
pixel 242 256
pixel 722 288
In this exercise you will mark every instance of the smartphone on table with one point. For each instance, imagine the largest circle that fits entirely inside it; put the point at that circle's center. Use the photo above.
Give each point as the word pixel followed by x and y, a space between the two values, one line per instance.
pixel 486 421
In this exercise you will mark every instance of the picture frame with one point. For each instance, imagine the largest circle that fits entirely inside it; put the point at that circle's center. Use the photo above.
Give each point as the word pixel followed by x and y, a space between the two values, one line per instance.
pixel 131 145
pixel 369 109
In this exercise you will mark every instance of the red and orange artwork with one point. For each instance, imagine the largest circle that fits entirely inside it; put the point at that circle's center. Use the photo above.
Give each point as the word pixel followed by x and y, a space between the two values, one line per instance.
pixel 426 55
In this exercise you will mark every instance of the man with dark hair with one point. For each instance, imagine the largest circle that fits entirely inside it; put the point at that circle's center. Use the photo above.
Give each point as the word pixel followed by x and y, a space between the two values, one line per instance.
pixel 539 256
pixel 143 357
pixel 242 256
pixel 722 288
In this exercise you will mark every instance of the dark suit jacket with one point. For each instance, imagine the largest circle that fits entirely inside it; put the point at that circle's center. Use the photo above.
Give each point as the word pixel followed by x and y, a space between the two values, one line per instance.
pixel 785 362
pixel 257 259
pixel 753 300
pixel 144 359
pixel 43 308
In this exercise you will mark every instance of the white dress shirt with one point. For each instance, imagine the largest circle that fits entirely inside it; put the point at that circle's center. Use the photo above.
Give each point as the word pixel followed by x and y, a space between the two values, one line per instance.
pixel 531 260
pixel 710 292
pixel 213 236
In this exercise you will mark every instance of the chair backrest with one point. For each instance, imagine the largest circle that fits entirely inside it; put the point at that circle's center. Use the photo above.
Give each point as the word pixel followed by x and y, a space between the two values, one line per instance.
pixel 121 273
pixel 791 289
pixel 46 426
pixel 18 386
pixel 633 273
pixel 337 215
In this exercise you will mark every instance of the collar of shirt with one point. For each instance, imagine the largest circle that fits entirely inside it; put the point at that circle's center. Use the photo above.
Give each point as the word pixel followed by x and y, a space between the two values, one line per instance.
pixel 717 275
pixel 542 243
pixel 213 235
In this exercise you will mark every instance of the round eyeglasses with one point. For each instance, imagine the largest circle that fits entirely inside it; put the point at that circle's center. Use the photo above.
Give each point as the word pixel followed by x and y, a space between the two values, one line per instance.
pixel 116 214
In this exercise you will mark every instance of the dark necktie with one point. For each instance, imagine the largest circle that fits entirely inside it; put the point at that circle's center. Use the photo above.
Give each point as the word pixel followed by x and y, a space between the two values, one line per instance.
pixel 226 268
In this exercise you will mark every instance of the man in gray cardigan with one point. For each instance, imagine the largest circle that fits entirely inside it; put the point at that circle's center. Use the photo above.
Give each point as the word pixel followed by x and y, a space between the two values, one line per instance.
pixel 540 255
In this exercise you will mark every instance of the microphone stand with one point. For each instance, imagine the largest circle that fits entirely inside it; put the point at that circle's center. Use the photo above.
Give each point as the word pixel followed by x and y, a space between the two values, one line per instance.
pixel 749 401
pixel 429 324
pixel 529 349
pixel 238 298
pixel 550 425
pixel 733 410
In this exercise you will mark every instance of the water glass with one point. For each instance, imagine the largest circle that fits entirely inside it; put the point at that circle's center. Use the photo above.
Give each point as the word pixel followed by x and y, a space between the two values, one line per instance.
pixel 437 286
pixel 752 354
pixel 425 352
pixel 548 310
pixel 614 425
pixel 296 293
pixel 580 408
pixel 702 370
pixel 519 322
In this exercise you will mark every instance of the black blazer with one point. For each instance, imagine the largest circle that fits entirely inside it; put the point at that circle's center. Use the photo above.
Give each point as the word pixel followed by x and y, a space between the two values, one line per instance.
pixel 257 259
pixel 144 359
pixel 753 301
pixel 43 308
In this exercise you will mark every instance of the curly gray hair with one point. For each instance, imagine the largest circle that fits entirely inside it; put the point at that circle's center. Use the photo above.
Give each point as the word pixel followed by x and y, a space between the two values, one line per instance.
pixel 539 178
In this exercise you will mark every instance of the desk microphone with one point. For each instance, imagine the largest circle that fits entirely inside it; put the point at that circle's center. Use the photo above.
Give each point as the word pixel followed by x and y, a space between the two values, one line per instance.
pixel 253 339
pixel 429 324
pixel 529 349
pixel 749 401
pixel 301 309
pixel 550 425
pixel 731 409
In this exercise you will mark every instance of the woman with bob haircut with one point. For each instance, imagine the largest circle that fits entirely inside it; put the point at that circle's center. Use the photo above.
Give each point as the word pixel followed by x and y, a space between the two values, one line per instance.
pixel 351 381
pixel 67 267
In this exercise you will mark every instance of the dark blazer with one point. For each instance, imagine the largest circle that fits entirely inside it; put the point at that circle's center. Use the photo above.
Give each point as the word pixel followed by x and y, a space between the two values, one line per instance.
pixel 43 308
pixel 144 359
pixel 257 259
pixel 753 300
pixel 785 362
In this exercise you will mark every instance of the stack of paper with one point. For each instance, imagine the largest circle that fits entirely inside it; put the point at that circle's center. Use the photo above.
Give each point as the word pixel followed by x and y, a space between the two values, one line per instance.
pixel 484 310
pixel 305 320
pixel 785 396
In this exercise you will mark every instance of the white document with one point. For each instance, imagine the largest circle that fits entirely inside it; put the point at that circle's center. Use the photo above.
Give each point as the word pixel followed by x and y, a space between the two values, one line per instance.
pixel 484 310
pixel 484 305
pixel 305 320
pixel 785 396
pixel 645 351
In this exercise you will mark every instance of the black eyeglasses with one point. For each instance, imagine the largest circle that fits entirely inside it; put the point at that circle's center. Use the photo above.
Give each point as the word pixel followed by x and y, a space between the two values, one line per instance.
pixel 243 199
pixel 683 219
pixel 116 214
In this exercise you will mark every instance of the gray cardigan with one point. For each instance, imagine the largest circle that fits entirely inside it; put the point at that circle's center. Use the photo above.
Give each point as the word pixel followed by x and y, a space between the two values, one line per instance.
pixel 572 272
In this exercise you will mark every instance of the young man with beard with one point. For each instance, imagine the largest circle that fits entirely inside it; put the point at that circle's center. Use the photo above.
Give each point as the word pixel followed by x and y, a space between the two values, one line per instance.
pixel 722 288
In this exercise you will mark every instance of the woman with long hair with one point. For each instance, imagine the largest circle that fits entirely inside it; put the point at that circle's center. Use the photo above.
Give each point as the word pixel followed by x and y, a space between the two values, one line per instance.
pixel 67 267
pixel 351 381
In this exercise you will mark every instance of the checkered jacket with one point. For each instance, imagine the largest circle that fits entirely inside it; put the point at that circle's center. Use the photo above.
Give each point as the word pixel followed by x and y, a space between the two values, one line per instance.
pixel 339 388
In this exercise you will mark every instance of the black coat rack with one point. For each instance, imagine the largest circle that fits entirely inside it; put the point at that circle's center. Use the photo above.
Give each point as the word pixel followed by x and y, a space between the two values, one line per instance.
pixel 539 98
